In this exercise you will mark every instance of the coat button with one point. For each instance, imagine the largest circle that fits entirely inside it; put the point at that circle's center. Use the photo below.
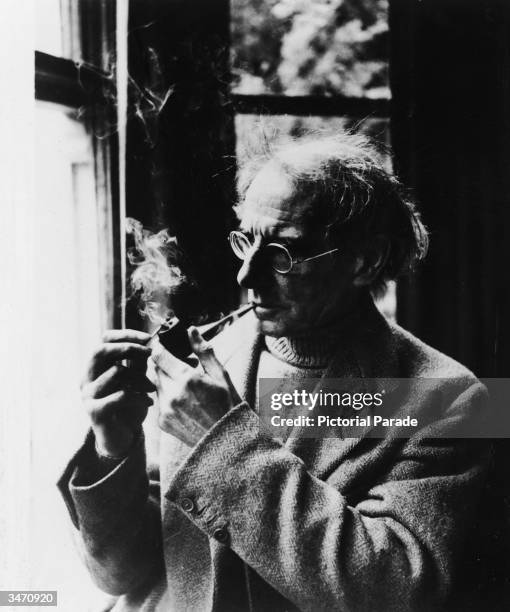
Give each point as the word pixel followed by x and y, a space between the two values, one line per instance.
pixel 221 534
pixel 187 504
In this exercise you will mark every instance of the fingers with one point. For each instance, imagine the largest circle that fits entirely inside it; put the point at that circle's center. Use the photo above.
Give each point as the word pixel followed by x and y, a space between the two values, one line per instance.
pixel 172 414
pixel 126 335
pixel 195 396
pixel 191 402
pixel 205 353
pixel 115 397
pixel 128 405
pixel 236 398
pixel 213 399
pixel 129 335
pixel 117 378
pixel 110 352
pixel 180 425
pixel 196 400
pixel 168 363
pixel 173 426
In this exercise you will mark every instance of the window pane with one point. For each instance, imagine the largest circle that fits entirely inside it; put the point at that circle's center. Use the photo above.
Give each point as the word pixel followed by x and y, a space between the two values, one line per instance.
pixel 48 27
pixel 310 47
pixel 251 128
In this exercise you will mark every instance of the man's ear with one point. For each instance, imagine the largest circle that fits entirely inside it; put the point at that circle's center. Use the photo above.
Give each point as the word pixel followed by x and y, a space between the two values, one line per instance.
pixel 368 265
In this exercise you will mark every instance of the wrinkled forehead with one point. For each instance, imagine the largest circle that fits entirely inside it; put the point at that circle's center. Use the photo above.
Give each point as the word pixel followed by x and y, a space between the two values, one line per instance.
pixel 274 205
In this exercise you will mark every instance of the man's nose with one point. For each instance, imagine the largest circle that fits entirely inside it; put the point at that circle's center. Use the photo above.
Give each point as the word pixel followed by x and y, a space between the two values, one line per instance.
pixel 249 276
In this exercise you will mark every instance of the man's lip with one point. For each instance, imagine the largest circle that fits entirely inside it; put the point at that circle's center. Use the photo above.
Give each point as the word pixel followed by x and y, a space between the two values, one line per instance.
pixel 263 309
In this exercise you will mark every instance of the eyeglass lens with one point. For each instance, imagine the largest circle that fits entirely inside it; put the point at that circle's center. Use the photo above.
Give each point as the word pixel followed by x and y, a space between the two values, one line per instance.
pixel 276 255
pixel 279 258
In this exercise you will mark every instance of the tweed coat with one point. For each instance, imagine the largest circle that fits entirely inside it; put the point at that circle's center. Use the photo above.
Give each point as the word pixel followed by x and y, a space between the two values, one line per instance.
pixel 246 522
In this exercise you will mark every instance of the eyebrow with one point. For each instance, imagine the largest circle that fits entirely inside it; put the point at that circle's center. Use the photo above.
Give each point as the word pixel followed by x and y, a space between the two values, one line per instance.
pixel 291 241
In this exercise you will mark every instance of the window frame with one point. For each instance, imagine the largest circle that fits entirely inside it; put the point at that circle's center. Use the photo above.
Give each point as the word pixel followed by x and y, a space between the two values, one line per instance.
pixel 86 88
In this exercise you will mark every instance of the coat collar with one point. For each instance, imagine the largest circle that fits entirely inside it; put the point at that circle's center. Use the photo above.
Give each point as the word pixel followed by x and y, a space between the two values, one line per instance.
pixel 238 348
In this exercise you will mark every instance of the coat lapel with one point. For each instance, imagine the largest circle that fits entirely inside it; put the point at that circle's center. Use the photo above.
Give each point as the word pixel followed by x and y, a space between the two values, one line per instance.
pixel 238 349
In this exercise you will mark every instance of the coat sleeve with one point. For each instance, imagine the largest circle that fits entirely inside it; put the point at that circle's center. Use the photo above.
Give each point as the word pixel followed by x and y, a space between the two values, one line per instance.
pixel 394 548
pixel 117 517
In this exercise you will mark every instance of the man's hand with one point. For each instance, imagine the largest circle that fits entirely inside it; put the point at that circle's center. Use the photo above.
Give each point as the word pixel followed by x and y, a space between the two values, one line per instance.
pixel 116 397
pixel 190 400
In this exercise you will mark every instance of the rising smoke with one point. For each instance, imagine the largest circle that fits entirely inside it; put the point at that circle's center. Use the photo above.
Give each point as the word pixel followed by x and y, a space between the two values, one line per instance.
pixel 155 275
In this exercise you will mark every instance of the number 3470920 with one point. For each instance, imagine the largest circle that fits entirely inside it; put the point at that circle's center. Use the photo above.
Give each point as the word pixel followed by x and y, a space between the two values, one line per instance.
pixel 27 598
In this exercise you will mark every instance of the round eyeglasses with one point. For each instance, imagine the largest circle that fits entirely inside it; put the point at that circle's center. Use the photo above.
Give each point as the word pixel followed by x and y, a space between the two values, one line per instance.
pixel 277 255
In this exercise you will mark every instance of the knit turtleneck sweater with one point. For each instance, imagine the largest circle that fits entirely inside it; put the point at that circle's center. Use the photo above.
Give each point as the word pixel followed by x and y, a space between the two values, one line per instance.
pixel 309 352
pixel 294 359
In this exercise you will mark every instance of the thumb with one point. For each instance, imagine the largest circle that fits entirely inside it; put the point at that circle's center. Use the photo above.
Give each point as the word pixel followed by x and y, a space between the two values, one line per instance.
pixel 168 363
pixel 205 353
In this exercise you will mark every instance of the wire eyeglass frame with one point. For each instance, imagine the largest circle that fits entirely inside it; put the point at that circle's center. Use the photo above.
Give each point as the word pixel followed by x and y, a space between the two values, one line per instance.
pixel 236 238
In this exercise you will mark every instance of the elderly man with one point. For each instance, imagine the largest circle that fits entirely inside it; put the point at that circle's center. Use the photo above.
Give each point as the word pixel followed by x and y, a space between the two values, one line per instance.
pixel 238 519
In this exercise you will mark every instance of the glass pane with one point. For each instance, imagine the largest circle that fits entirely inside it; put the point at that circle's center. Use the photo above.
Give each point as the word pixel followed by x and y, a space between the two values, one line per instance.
pixel 48 27
pixel 310 47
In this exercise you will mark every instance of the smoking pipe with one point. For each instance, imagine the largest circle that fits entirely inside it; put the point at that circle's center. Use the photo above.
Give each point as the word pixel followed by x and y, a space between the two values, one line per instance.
pixel 173 333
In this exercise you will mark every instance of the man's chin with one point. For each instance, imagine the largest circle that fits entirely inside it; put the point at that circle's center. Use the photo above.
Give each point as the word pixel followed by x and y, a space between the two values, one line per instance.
pixel 276 321
pixel 272 327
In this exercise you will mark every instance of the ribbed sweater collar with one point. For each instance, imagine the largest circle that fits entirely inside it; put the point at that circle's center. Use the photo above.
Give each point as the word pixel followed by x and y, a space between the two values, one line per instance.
pixel 308 352
pixel 316 349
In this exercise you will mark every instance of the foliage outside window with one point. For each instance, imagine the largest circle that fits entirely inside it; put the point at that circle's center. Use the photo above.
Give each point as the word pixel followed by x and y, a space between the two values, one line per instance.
pixel 310 47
